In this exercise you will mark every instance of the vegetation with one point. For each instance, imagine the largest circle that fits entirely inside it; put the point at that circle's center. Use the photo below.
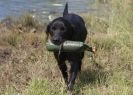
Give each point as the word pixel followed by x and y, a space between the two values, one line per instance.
pixel 27 68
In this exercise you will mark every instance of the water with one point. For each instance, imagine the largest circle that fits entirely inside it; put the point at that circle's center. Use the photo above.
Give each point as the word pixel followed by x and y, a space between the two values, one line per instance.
pixel 43 8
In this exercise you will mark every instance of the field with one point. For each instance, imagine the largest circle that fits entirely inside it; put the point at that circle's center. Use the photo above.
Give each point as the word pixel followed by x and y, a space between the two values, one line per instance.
pixel 27 68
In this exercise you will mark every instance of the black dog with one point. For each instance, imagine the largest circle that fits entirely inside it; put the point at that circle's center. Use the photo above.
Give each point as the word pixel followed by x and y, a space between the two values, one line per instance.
pixel 69 27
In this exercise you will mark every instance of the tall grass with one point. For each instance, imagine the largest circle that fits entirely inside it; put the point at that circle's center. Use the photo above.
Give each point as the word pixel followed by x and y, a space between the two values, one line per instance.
pixel 121 16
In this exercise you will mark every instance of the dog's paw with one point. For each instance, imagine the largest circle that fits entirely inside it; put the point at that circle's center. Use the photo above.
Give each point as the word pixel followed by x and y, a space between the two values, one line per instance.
pixel 70 87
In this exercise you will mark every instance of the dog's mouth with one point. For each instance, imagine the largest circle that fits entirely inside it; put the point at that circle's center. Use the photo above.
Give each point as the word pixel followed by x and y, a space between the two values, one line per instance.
pixel 60 44
pixel 57 42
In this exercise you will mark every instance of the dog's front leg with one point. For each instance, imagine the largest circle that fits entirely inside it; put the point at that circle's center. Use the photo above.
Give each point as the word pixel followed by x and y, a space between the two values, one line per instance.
pixel 62 66
pixel 73 74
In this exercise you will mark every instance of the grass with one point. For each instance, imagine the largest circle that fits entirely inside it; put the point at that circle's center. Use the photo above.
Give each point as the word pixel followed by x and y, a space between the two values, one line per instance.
pixel 27 68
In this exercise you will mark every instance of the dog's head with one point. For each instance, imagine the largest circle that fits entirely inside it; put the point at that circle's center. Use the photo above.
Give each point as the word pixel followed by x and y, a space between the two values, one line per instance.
pixel 59 30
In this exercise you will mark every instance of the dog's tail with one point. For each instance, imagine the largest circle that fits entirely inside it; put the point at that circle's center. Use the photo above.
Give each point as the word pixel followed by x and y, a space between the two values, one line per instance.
pixel 66 9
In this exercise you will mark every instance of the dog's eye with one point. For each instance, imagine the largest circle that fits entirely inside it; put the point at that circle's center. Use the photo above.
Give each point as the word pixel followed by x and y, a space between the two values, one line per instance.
pixel 53 28
pixel 62 28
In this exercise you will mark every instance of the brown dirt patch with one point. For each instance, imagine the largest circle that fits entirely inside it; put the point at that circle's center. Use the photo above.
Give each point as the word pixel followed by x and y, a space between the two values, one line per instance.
pixel 4 54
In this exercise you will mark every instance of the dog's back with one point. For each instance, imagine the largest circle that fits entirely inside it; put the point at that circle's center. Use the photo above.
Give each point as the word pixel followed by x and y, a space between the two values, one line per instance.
pixel 77 23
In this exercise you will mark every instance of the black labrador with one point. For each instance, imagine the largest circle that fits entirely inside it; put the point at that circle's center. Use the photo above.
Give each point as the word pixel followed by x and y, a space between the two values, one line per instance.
pixel 69 27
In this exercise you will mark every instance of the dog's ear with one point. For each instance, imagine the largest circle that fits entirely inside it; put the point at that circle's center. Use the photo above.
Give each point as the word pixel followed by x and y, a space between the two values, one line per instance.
pixel 66 9
pixel 47 31
pixel 48 28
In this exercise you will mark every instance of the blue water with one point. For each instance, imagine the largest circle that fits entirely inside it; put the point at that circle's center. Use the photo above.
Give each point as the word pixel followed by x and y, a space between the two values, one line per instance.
pixel 42 8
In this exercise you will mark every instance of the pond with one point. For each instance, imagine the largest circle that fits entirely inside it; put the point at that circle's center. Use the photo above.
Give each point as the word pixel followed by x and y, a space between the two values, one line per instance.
pixel 43 8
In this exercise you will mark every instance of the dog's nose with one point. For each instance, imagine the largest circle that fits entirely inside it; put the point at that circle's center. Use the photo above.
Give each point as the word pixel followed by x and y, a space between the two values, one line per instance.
pixel 55 40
